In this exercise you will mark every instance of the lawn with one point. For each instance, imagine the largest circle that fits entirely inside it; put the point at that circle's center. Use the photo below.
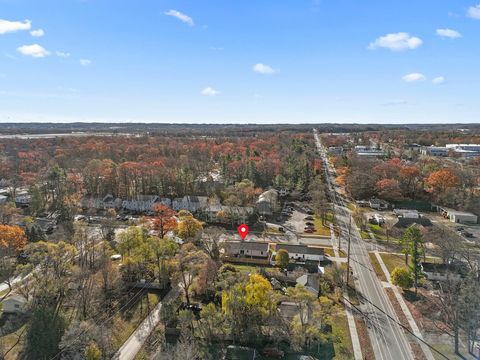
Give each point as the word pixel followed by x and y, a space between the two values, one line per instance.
pixel 340 330
pixel 365 235
pixel 393 260
pixel 329 251
pixel 320 229
pixel 377 267
pixel 381 234
pixel 246 268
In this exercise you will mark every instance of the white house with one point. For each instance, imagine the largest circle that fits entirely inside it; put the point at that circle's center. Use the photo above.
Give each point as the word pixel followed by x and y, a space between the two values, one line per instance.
pixel 301 252
pixel 14 304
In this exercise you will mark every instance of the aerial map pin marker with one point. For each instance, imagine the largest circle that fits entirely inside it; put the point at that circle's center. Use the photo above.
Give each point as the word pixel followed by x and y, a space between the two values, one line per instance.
pixel 243 231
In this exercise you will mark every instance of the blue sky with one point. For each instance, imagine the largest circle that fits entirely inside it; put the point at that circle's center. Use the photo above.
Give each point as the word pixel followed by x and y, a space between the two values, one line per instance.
pixel 217 61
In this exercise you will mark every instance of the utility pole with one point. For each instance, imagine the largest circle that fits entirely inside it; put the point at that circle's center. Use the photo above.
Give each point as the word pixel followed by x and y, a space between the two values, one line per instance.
pixel 348 251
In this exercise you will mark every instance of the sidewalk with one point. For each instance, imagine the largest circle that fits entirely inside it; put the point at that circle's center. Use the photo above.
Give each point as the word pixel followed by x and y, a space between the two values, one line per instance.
pixel 134 343
pixel 406 311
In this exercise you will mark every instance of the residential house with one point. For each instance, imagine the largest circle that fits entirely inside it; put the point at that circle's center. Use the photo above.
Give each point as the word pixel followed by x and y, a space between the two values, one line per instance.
pixel 310 282
pixel 14 304
pixel 3 199
pixel 379 204
pixel 443 272
pixel 190 203
pixel 247 249
pixel 22 200
pixel 141 204
pixel 406 213
pixel 301 253
pixel 267 202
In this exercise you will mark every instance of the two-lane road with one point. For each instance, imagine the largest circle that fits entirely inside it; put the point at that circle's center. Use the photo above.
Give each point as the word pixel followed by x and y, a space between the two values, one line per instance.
pixel 387 338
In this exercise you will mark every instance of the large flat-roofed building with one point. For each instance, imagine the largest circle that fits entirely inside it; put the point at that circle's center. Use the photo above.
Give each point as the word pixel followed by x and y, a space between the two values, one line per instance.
pixel 435 151
pixel 465 150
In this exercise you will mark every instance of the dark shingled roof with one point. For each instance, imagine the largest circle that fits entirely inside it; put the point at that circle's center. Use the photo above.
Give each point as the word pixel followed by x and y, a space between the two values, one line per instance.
pixel 406 222
pixel 246 245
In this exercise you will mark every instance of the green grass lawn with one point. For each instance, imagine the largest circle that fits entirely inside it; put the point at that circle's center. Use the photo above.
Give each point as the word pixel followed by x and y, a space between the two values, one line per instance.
pixel 393 260
pixel 381 233
pixel 245 268
pixel 377 267
pixel 320 229
pixel 340 330
pixel 364 235
pixel 329 251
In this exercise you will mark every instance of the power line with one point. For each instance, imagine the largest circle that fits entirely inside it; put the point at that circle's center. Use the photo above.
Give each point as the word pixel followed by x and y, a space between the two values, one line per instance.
pixel 390 318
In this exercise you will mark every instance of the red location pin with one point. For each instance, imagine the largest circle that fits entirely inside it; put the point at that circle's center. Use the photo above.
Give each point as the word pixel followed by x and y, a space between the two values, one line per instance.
pixel 243 231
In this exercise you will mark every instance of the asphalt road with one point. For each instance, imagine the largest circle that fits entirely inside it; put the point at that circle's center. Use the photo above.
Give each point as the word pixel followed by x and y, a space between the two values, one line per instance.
pixel 387 338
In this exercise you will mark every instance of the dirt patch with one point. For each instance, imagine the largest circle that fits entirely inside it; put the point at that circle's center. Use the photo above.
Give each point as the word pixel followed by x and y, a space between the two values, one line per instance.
pixel 366 346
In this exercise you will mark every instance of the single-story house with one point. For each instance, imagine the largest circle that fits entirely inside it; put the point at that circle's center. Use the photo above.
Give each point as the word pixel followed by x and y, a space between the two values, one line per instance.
pixel 22 200
pixel 442 272
pixel 289 310
pixel 252 249
pixel 14 304
pixel 379 204
pixel 310 282
pixel 301 253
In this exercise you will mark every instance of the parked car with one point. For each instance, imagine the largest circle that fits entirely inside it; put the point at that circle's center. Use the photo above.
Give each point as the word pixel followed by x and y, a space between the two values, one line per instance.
pixel 281 229
pixel 309 223
pixel 309 217
pixel 467 234
pixel 309 230
pixel 309 212
pixel 459 229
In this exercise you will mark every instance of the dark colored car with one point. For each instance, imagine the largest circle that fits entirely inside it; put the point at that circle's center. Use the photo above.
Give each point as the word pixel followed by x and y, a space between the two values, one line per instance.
pixel 309 223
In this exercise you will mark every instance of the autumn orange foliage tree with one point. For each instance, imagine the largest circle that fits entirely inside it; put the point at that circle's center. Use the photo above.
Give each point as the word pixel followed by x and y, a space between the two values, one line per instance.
pixel 164 220
pixel 12 239
pixel 442 180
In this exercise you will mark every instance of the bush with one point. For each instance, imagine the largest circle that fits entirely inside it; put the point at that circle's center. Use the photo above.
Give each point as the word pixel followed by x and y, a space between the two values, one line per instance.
pixel 402 277
pixel 282 259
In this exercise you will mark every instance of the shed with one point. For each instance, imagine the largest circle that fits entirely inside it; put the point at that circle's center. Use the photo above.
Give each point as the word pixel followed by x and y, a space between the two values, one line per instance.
pixel 461 217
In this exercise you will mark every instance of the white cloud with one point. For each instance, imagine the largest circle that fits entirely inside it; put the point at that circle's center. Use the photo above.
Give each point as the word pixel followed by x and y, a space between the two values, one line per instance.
pixel 180 16
pixel 438 80
pixel 37 33
pixel 449 33
pixel 209 91
pixel 85 62
pixel 395 102
pixel 62 54
pixel 33 50
pixel 263 69
pixel 13 26
pixel 413 77
pixel 474 12
pixel 396 42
